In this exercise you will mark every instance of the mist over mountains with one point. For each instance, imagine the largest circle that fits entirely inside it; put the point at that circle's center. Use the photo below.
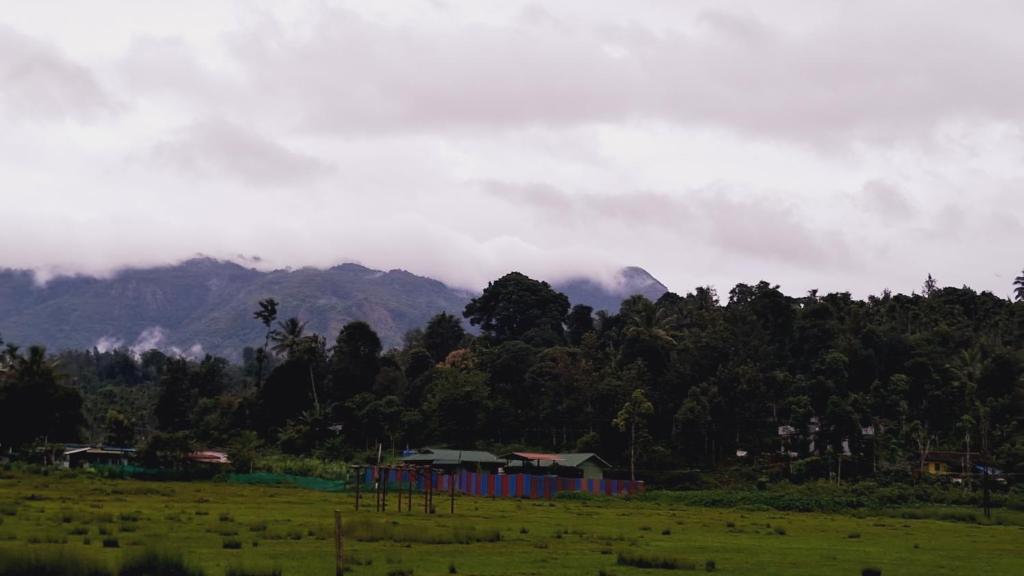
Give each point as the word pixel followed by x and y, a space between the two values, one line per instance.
pixel 205 305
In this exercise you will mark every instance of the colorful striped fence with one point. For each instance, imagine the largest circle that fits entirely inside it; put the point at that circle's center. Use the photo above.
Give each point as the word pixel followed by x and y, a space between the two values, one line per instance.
pixel 503 485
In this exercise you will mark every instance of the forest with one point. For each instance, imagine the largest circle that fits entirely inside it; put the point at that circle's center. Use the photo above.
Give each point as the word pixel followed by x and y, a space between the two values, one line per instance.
pixel 695 382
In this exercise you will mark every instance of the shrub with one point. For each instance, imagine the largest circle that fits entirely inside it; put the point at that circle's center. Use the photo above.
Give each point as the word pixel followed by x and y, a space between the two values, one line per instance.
pixel 871 572
pixel 260 526
pixel 225 517
pixel 452 569
pixel 666 532
pixel 400 572
pixel 129 516
pixel 641 560
pixel 59 563
pixel 232 544
pixel 157 563
pixel 710 566
pixel 780 530
pixel 853 535
pixel 79 531
pixel 111 542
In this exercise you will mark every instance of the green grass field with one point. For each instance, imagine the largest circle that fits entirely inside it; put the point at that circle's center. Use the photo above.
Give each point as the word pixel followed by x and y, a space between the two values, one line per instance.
pixel 219 525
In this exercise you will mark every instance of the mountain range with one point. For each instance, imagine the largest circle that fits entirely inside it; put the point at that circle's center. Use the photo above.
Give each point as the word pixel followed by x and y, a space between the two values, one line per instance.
pixel 206 305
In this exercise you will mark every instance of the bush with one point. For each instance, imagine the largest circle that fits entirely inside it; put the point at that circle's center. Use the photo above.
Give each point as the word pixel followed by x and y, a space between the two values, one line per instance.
pixel 232 544
pixel 641 560
pixel 110 542
pixel 780 530
pixel 710 566
pixel 853 535
pixel 50 563
pixel 157 563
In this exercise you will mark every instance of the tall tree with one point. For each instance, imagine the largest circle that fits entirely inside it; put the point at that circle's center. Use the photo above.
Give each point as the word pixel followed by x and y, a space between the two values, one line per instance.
pixel 443 334
pixel 632 417
pixel 267 314
pixel 34 405
pixel 1018 291
pixel 517 307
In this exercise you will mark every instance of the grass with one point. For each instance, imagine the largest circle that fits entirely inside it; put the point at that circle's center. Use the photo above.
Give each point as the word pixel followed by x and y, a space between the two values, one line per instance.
pixel 289 531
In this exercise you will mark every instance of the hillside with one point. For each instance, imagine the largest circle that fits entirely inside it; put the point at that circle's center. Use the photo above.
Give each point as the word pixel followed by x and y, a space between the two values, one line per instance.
pixel 210 303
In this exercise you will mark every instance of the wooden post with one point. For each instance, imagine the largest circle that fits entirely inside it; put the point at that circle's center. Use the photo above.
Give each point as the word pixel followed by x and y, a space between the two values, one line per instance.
pixel 451 485
pixel 376 488
pixel 398 478
pixel 384 490
pixel 359 480
pixel 428 493
pixel 339 545
pixel 412 474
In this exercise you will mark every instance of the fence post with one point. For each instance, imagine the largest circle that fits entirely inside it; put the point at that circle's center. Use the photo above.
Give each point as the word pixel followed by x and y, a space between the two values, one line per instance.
pixel 339 545
pixel 452 486
pixel 359 480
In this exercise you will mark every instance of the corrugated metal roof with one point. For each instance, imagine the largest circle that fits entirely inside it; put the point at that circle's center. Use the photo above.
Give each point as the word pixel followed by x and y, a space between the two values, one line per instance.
pixel 534 456
pixel 448 456
pixel 565 459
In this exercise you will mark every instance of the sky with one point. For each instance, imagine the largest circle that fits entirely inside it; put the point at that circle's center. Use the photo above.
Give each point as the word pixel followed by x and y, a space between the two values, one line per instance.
pixel 830 145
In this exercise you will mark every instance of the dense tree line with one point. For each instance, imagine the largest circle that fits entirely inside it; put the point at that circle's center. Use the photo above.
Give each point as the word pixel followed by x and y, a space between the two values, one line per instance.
pixel 688 381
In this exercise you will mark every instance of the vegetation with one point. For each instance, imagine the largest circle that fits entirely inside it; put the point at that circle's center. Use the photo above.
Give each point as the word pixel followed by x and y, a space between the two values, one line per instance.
pixel 591 533
pixel 788 388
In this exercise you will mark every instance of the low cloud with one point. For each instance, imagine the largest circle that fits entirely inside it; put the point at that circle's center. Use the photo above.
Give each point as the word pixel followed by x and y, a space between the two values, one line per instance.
pixel 39 83
pixel 221 148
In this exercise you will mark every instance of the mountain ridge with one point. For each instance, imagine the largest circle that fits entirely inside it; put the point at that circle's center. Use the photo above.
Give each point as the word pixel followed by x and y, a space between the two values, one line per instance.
pixel 206 305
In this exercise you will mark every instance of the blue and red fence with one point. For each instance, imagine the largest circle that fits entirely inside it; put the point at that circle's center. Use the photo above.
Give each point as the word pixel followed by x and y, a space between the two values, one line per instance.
pixel 502 485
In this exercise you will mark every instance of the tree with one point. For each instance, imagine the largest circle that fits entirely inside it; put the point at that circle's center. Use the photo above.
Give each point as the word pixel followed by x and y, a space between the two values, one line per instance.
pixel 120 429
pixel 266 314
pixel 33 403
pixel 517 307
pixel 930 286
pixel 288 337
pixel 632 417
pixel 443 334
pixel 1018 291
pixel 355 361
pixel 579 322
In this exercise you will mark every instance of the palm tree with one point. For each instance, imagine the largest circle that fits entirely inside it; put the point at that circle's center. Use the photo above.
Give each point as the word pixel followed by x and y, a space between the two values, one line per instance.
pixel 288 337
pixel 1018 292
pixel 644 318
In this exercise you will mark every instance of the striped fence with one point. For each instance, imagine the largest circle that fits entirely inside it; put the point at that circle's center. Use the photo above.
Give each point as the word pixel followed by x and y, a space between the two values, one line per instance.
pixel 503 485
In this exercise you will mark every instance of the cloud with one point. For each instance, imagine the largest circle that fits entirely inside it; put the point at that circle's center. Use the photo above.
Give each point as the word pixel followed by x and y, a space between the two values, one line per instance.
pixel 832 145
pixel 886 201
pixel 217 147
pixel 38 82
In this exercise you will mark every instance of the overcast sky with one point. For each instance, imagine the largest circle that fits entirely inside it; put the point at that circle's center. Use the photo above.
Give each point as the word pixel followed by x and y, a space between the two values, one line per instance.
pixel 832 145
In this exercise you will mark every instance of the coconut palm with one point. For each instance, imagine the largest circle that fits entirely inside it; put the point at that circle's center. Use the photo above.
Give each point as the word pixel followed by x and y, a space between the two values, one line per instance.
pixel 288 337
pixel 1018 292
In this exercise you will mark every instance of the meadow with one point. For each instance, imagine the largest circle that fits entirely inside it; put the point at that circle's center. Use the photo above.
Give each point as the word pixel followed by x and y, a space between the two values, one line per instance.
pixel 220 527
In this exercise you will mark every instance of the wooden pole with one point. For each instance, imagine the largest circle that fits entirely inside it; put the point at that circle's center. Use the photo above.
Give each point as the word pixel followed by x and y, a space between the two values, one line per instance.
pixel 339 545
pixel 359 480
pixel 376 488
pixel 451 485
pixel 384 490
pixel 412 475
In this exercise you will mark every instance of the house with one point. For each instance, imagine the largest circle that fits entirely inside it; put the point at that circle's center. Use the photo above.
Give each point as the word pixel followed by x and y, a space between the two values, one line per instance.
pixel 454 460
pixel 955 464
pixel 90 456
pixel 585 465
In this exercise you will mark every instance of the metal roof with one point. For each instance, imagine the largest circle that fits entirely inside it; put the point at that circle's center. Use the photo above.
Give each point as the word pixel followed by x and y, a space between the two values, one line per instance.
pixel 449 457
pixel 565 459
